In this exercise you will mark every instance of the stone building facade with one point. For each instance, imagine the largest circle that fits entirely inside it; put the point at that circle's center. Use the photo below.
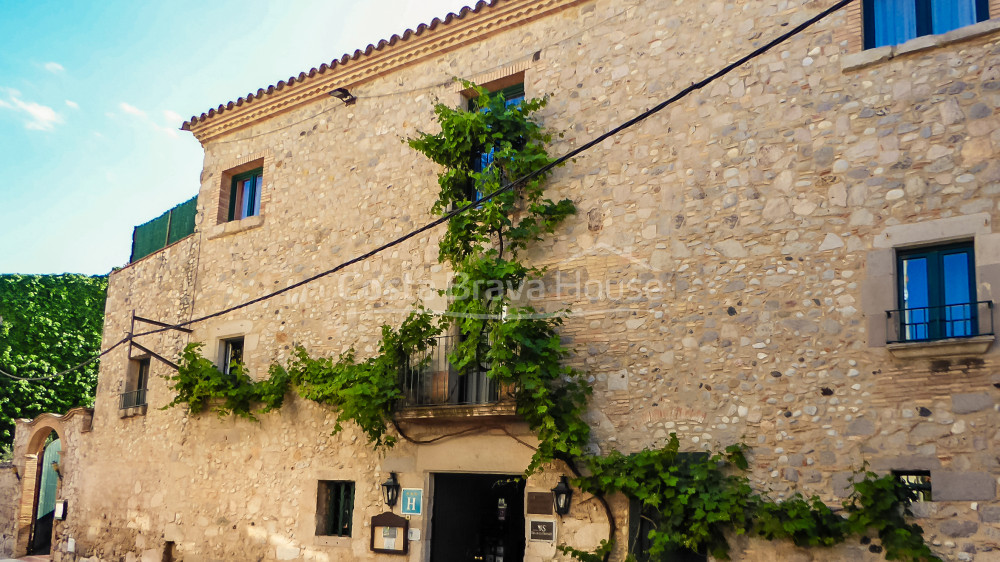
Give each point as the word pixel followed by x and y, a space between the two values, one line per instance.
pixel 732 273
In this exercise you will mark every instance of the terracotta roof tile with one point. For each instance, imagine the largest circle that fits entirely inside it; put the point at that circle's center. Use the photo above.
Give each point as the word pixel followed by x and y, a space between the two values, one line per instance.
pixel 382 44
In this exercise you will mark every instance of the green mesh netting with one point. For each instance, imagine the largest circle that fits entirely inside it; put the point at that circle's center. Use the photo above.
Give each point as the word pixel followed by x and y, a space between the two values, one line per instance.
pixel 165 229
pixel 182 220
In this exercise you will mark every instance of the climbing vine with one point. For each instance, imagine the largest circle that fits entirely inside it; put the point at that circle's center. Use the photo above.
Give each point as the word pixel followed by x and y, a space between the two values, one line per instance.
pixel 690 501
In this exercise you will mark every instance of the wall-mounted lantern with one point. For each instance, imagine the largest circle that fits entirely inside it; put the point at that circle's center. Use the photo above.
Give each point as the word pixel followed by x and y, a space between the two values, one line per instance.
pixel 390 490
pixel 343 95
pixel 561 495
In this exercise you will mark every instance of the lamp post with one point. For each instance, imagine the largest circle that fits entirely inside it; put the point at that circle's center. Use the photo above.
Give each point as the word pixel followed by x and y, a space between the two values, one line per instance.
pixel 561 495
pixel 390 490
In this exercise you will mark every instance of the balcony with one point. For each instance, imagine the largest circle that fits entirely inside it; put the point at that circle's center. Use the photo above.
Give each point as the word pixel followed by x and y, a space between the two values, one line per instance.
pixel 434 389
pixel 132 403
pixel 940 331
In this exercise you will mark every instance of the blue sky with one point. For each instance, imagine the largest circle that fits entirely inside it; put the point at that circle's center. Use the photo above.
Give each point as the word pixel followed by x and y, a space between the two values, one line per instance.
pixel 92 95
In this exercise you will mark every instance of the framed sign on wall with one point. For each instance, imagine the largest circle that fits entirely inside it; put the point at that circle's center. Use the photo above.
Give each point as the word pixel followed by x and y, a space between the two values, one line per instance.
pixel 389 534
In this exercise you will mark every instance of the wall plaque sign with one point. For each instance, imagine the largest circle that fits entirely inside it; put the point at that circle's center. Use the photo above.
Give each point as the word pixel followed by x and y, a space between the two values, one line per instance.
pixel 542 530
pixel 389 533
pixel 411 501
pixel 539 503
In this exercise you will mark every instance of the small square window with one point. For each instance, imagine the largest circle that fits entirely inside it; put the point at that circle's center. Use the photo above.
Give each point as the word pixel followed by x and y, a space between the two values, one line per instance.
pixel 232 354
pixel 917 481
pixel 244 195
pixel 890 22
pixel 135 384
pixel 334 508
pixel 937 294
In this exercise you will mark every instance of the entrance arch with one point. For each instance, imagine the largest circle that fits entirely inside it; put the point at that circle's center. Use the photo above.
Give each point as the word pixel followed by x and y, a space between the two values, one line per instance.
pixel 41 481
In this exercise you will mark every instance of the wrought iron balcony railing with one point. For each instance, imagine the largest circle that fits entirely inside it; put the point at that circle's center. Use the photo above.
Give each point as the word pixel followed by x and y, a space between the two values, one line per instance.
pixel 132 399
pixel 932 323
pixel 431 380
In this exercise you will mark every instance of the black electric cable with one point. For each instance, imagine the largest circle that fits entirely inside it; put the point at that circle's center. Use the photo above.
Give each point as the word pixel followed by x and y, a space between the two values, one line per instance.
pixel 73 368
pixel 562 159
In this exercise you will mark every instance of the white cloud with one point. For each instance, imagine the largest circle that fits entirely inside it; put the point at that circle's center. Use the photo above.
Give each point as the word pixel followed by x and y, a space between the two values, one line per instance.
pixel 131 109
pixel 72 104
pixel 54 67
pixel 169 131
pixel 172 116
pixel 40 117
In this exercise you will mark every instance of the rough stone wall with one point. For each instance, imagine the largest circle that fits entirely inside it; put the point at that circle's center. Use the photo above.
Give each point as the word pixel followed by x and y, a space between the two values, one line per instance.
pixel 10 489
pixel 721 272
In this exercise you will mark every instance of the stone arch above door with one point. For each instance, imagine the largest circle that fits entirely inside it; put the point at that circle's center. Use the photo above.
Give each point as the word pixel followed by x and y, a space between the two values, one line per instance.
pixel 29 444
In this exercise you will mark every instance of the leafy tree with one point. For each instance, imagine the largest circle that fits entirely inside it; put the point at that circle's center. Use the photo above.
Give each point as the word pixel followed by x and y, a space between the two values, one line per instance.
pixel 49 323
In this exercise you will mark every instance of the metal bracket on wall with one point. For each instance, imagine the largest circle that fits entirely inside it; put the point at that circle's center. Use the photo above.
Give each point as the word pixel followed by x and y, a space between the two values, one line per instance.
pixel 144 349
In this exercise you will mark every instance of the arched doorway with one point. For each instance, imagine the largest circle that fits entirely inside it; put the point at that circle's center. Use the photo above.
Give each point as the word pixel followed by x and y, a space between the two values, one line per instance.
pixel 46 489
pixel 40 485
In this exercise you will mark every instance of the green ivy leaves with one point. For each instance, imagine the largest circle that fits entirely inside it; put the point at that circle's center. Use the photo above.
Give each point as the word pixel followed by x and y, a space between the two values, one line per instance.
pixel 696 499
pixel 49 323
pixel 362 392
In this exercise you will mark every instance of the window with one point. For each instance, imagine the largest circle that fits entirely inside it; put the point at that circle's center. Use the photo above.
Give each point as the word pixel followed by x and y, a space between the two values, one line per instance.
pixel 135 385
pixel 918 482
pixel 642 520
pixel 640 523
pixel 513 96
pixel 937 293
pixel 244 197
pixel 232 354
pixel 334 508
pixel 890 22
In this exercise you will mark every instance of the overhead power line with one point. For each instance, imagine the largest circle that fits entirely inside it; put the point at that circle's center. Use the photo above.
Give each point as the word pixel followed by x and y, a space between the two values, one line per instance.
pixel 71 369
pixel 562 159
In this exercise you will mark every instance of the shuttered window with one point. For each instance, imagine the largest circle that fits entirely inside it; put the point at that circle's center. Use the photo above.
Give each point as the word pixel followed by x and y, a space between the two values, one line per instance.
pixel 335 508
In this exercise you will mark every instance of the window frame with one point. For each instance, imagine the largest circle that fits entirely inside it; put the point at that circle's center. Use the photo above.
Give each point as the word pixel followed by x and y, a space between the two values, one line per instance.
pixel 639 523
pixel 326 524
pixel 924 17
pixel 513 94
pixel 227 362
pixel 239 203
pixel 936 275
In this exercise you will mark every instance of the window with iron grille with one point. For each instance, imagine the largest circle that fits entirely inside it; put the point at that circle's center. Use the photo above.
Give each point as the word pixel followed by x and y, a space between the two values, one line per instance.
pixel 334 508
pixel 917 481
pixel 890 22
pixel 135 385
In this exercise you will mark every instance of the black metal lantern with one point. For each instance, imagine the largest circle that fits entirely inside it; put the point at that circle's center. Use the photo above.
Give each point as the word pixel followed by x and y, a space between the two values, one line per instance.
pixel 343 95
pixel 390 490
pixel 561 495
